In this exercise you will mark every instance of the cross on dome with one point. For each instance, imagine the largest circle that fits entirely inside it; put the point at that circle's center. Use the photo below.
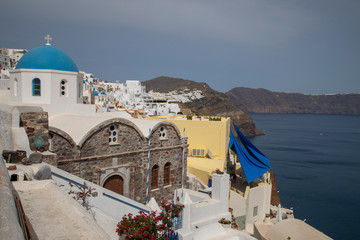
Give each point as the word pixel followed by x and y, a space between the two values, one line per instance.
pixel 48 39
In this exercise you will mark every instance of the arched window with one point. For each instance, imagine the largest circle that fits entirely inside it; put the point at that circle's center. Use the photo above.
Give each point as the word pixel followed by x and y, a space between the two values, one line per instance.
pixel 155 177
pixel 63 88
pixel 167 173
pixel 36 87
pixel 113 134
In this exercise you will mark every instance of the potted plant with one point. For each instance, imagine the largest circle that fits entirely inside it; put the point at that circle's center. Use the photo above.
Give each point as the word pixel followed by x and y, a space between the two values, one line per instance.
pixel 225 223
pixel 151 225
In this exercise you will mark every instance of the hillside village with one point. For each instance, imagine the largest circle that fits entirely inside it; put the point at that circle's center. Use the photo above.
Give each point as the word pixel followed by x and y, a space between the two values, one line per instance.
pixel 79 154
pixel 132 96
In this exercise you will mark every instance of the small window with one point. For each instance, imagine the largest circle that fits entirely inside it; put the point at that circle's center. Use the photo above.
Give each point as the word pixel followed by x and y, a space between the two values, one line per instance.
pixel 36 87
pixel 63 88
pixel 155 177
pixel 167 173
pixel 15 87
pixel 113 134
pixel 14 178
pixel 198 152
pixel 163 133
pixel 51 143
pixel 255 211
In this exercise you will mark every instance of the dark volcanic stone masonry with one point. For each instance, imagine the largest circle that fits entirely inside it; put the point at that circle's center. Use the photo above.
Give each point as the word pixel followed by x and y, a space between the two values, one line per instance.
pixel 96 159
pixel 36 125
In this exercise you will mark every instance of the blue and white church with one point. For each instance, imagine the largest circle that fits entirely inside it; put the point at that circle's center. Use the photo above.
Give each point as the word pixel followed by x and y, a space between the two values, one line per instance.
pixel 46 76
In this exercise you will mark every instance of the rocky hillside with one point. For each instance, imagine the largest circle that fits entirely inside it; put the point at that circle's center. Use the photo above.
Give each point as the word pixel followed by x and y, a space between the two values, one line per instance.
pixel 213 104
pixel 264 101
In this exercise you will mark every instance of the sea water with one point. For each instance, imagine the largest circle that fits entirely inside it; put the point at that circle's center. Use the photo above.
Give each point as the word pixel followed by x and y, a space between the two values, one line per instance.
pixel 316 159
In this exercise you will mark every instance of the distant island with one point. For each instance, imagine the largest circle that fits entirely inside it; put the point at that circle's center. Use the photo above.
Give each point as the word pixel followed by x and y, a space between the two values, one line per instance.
pixel 264 101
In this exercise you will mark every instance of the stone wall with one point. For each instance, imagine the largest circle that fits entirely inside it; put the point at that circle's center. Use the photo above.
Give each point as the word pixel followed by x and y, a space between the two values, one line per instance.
pixel 95 159
pixel 98 143
pixel 36 126
pixel 160 158
pixel 62 145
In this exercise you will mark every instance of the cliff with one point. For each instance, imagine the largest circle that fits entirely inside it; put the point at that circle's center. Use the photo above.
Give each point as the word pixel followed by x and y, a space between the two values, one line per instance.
pixel 264 101
pixel 214 103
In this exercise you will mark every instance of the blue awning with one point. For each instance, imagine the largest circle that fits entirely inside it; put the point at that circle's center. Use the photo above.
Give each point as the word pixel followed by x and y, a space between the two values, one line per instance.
pixel 252 161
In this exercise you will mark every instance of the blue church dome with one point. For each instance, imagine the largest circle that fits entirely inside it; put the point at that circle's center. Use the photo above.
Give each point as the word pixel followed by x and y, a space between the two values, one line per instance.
pixel 47 57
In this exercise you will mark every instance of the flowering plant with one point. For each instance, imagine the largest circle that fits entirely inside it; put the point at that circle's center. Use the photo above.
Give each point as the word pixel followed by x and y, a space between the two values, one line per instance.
pixel 172 209
pixel 224 221
pixel 82 194
pixel 149 226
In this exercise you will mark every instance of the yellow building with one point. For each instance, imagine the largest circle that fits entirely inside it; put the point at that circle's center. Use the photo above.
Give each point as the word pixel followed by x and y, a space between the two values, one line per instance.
pixel 208 139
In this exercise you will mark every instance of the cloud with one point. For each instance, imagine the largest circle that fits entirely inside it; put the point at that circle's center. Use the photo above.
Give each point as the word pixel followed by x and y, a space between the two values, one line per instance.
pixel 244 21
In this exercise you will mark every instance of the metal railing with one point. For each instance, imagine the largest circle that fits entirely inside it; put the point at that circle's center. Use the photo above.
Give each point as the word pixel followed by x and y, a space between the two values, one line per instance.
pixel 173 236
pixel 177 222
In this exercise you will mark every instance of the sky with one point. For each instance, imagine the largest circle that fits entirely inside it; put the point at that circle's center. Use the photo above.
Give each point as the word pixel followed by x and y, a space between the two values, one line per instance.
pixel 303 46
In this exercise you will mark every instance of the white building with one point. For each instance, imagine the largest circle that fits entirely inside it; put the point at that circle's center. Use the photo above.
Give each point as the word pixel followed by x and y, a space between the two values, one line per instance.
pixel 4 59
pixel 130 94
pixel 15 55
pixel 251 205
pixel 48 77
pixel 4 67
pixel 134 88
pixel 8 60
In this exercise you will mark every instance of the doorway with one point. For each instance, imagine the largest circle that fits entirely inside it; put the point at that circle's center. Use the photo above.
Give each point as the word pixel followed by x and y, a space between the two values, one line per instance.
pixel 115 183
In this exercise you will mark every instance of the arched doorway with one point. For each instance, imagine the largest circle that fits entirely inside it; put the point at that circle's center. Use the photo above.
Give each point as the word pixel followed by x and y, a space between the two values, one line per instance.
pixel 115 183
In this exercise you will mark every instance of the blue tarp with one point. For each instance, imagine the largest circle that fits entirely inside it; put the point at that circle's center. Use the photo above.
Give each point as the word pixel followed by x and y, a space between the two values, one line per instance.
pixel 253 162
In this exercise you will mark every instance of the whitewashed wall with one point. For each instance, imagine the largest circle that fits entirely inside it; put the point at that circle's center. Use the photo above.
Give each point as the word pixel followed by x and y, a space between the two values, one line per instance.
pixel 106 211
pixel 259 197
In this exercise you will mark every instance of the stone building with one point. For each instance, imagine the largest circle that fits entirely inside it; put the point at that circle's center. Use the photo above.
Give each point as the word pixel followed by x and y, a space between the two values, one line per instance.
pixel 114 154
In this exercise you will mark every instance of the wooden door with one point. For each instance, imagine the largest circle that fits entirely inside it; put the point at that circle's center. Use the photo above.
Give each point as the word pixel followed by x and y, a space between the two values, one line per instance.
pixel 115 183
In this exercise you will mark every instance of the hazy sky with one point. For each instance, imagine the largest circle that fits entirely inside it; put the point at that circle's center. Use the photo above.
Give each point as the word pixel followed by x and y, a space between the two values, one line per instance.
pixel 307 46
